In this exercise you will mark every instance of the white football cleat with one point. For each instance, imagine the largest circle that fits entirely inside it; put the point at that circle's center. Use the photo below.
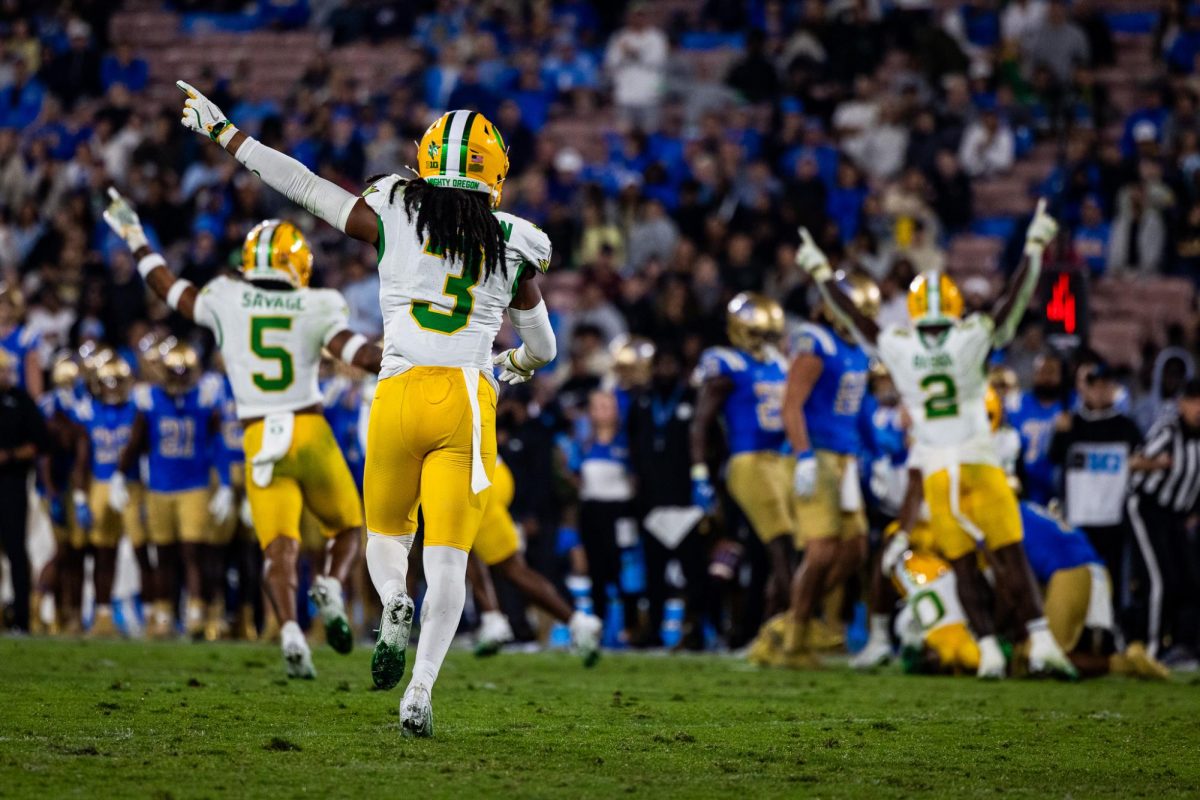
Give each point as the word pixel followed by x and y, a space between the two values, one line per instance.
pixel 875 654
pixel 297 658
pixel 416 713
pixel 395 627
pixel 1047 658
pixel 585 636
pixel 992 663
pixel 326 594
pixel 494 633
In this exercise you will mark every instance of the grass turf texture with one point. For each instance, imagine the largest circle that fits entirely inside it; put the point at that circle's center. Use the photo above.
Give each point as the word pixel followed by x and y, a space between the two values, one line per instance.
pixel 87 719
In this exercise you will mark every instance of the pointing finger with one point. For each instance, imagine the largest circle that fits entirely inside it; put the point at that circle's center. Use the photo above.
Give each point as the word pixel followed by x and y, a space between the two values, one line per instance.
pixel 113 193
pixel 1041 207
pixel 187 89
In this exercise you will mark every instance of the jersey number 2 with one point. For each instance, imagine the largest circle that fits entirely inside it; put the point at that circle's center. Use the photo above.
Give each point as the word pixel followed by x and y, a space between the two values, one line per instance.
pixel 941 398
pixel 287 372
pixel 457 287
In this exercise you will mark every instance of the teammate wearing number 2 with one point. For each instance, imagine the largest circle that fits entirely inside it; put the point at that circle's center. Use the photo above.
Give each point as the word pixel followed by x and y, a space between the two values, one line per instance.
pixel 450 266
pixel 271 328
pixel 939 370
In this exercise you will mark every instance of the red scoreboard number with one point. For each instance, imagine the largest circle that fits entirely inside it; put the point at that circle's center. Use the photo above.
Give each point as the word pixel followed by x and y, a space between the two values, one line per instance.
pixel 1065 293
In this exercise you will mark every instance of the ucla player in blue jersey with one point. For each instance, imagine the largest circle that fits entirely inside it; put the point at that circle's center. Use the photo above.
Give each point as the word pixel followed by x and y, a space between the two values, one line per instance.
pixel 341 397
pixel 743 387
pixel 632 357
pixel 19 340
pixel 177 425
pixel 107 416
pixel 1033 415
pixel 822 411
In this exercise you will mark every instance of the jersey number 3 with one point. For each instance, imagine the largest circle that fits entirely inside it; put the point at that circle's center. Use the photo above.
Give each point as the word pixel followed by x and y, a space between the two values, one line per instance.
pixel 458 287
pixel 941 396
pixel 287 371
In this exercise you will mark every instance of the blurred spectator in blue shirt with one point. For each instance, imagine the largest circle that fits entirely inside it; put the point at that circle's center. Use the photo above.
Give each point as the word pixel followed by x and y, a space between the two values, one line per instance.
pixel 1090 239
pixel 469 92
pixel 21 101
pixel 1033 417
pixel 1181 55
pixel 124 68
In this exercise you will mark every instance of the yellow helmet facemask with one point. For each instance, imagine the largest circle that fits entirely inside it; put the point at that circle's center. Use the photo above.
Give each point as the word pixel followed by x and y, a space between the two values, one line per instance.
pixel 754 321
pixel 995 408
pixel 464 150
pixel 276 250
pixel 865 295
pixel 934 299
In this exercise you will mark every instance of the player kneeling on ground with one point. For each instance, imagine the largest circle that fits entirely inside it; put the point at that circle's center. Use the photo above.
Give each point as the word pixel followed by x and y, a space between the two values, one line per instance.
pixel 271 328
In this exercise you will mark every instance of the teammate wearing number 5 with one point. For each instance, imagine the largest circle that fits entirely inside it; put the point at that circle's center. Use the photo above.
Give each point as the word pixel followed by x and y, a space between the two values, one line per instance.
pixel 450 266
pixel 938 366
pixel 271 328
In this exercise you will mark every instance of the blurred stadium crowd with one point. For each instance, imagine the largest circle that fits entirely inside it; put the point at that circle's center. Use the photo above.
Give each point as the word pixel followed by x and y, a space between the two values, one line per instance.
pixel 670 150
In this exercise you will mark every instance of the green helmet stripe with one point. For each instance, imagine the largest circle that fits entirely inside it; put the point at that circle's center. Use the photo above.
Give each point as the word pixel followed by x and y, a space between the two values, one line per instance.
pixel 466 137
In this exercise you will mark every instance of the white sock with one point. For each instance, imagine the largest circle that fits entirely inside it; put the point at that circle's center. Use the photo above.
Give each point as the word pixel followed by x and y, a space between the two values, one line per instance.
pixel 990 645
pixel 387 562
pixel 878 628
pixel 1039 633
pixel 291 635
pixel 446 577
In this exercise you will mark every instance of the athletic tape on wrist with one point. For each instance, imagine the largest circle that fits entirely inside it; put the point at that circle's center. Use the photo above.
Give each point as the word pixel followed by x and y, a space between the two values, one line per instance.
pixel 176 292
pixel 149 263
pixel 352 346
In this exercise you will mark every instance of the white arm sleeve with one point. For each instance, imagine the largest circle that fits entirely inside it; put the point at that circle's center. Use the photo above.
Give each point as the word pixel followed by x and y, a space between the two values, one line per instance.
pixel 533 326
pixel 294 181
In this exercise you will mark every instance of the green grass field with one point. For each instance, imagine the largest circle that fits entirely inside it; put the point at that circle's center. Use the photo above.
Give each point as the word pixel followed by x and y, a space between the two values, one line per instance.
pixel 85 719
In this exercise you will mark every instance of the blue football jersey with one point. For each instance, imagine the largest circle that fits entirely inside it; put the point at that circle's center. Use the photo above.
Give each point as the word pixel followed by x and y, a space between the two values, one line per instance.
pixel 1035 424
pixel 19 341
pixel 1052 544
pixel 753 412
pixel 182 444
pixel 108 427
pixel 832 409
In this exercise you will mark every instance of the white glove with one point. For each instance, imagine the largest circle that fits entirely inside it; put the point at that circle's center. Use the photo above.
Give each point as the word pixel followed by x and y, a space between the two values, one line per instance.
pixel 510 372
pixel 245 513
pixel 221 504
pixel 202 116
pixel 118 493
pixel 124 221
pixel 1042 230
pixel 810 258
pixel 804 477
pixel 897 546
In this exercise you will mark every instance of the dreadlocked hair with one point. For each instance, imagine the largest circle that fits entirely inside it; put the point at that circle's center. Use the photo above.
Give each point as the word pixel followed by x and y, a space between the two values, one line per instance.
pixel 456 223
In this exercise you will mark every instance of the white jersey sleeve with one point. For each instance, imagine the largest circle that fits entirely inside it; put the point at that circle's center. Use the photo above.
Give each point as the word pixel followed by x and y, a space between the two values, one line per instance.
pixel 271 341
pixel 942 383
pixel 439 311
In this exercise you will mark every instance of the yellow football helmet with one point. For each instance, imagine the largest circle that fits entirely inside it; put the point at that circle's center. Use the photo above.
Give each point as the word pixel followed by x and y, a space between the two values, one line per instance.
pixel 934 299
pixel 12 304
pixel 632 357
pixel 112 381
pixel 995 408
pixel 464 150
pixel 863 292
pixel 276 250
pixel 180 368
pixel 1004 380
pixel 753 321
pixel 64 371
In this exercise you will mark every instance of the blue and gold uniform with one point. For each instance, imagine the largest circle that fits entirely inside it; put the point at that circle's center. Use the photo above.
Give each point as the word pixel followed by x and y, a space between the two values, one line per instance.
pixel 20 341
pixel 182 445
pixel 759 473
pixel 1078 593
pixel 59 407
pixel 108 427
pixel 230 459
pixel 833 418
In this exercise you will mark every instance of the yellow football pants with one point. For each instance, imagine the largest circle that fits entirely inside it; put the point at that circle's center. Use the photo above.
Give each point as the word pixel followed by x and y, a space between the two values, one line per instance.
pixel 419 454
pixel 497 539
pixel 968 502
pixel 313 474
pixel 761 484
pixel 108 525
pixel 173 517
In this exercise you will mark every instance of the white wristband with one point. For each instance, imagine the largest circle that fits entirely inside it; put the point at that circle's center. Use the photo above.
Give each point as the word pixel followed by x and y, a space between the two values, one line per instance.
pixel 177 289
pixel 351 347
pixel 148 264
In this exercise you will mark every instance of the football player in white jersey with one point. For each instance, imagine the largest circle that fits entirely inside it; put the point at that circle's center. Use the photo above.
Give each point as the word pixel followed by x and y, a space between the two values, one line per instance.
pixel 450 266
pixel 939 369
pixel 271 328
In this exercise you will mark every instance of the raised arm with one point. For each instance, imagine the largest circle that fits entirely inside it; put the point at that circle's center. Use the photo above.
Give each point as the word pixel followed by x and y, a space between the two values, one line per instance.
pixel 353 349
pixel 1012 304
pixel 810 258
pixel 289 177
pixel 177 293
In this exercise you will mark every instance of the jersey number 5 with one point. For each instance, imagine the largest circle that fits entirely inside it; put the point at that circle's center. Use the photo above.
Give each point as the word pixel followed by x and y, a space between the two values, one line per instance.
pixel 287 373
pixel 941 396
pixel 458 287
